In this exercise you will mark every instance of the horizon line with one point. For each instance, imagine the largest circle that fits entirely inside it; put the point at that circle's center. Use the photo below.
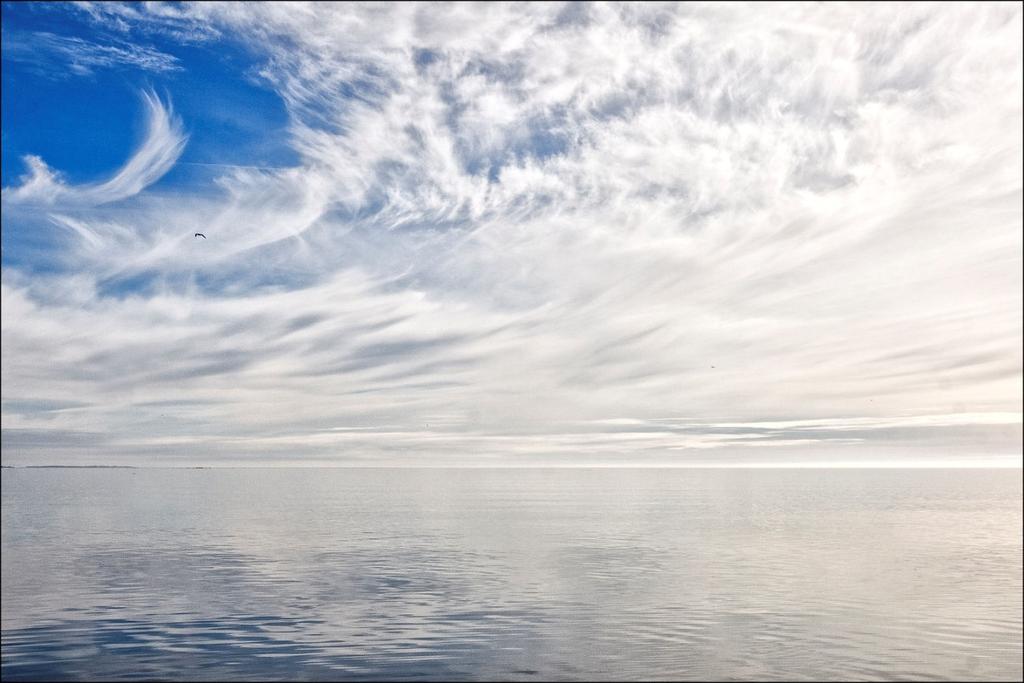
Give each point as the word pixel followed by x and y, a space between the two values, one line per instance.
pixel 1018 464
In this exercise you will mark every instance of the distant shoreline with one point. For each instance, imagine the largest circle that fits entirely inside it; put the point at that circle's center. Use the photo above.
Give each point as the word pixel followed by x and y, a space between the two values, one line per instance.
pixel 95 467
pixel 70 467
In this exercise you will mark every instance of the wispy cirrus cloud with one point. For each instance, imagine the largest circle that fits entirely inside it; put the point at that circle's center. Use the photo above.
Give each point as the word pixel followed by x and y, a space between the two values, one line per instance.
pixel 163 143
pixel 167 19
pixel 516 232
pixel 56 55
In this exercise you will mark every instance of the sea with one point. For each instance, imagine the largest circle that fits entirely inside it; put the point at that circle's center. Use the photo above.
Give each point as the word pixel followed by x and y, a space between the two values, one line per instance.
pixel 511 574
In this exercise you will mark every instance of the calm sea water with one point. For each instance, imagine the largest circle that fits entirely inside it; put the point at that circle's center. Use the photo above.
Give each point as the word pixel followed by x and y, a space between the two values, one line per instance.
pixel 511 574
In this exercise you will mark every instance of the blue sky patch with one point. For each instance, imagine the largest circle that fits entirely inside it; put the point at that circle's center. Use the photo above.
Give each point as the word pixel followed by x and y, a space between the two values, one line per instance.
pixel 86 122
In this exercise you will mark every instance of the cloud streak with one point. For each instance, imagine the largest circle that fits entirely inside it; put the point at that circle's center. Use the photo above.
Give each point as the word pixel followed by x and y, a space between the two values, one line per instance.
pixel 163 144
pixel 614 233
pixel 54 55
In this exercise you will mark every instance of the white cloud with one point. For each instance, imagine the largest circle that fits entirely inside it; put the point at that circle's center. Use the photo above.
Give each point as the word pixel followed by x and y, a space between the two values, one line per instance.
pixel 163 144
pixel 53 55
pixel 795 228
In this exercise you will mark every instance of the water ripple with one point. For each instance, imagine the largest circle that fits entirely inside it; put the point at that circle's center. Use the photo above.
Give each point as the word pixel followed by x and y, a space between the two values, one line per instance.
pixel 521 575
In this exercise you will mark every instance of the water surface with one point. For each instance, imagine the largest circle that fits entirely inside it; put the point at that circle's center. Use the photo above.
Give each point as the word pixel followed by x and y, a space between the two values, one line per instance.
pixel 511 574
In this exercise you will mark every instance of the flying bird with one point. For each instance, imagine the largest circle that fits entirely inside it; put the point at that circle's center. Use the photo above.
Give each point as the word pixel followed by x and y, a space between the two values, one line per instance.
pixel 199 234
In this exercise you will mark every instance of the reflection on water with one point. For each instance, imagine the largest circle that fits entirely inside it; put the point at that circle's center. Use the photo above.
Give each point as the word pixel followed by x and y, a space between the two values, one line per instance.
pixel 511 574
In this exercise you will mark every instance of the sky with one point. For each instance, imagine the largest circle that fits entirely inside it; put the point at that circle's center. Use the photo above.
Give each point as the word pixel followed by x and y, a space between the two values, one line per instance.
pixel 544 234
